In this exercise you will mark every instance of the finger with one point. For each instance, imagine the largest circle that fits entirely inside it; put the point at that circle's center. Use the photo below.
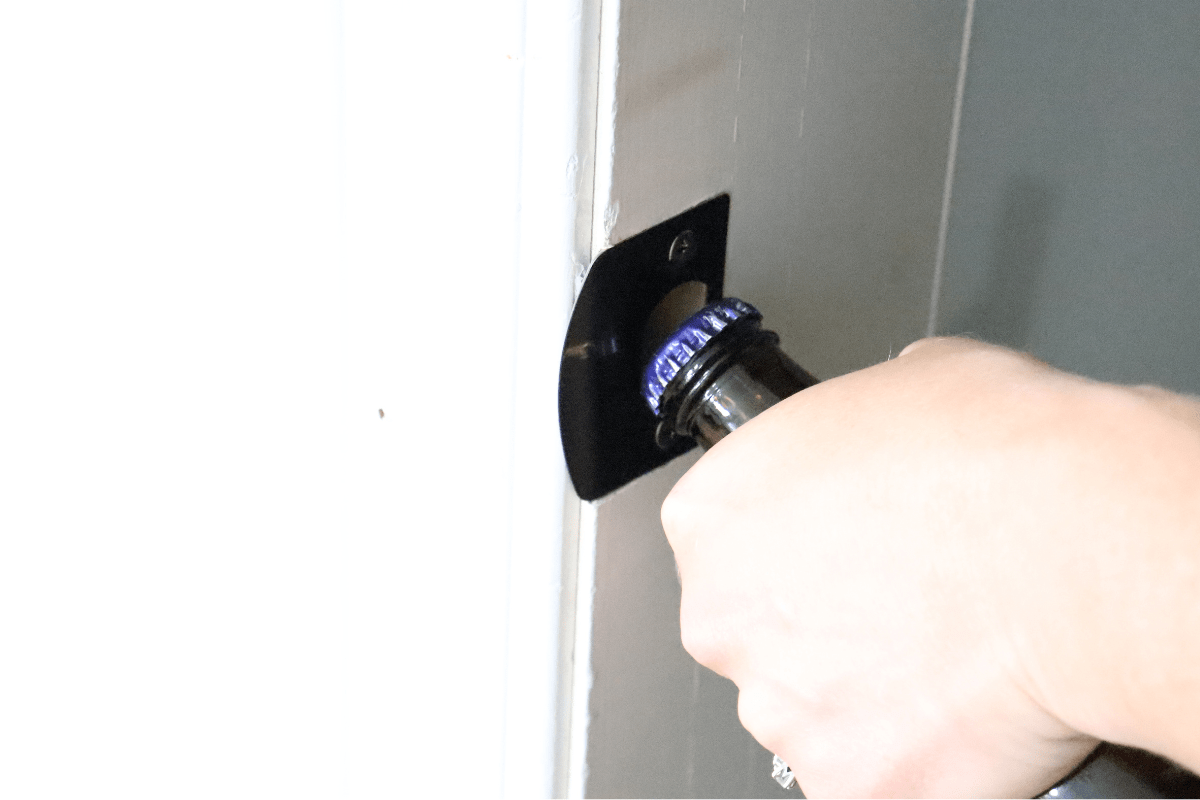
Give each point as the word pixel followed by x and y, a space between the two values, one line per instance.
pixel 934 341
pixel 919 343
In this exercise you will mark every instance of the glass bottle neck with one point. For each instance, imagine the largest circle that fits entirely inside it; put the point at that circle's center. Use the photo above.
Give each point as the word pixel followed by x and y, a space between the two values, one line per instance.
pixel 732 400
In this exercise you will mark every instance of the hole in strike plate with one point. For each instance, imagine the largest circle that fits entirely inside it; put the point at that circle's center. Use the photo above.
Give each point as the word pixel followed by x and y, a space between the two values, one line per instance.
pixel 680 303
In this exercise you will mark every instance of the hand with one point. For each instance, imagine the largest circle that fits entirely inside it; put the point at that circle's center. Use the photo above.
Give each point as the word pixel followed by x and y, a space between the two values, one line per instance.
pixel 900 569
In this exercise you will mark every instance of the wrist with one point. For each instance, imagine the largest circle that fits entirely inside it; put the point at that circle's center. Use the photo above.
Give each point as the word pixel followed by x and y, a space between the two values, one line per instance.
pixel 1122 572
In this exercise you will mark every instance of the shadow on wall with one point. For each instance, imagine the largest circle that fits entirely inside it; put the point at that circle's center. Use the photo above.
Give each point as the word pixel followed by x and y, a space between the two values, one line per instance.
pixel 1002 308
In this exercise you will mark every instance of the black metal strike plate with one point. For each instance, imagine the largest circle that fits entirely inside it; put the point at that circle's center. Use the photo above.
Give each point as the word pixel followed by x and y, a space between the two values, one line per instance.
pixel 607 429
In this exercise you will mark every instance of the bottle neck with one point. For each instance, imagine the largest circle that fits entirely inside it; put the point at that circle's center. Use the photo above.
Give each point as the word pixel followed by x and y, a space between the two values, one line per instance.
pixel 743 374
pixel 731 400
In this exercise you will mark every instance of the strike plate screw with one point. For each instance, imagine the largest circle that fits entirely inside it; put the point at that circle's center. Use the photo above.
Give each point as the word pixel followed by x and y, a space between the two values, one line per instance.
pixel 683 249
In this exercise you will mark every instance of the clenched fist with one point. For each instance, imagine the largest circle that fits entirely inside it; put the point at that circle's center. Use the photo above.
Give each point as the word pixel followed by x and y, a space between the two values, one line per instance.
pixel 950 574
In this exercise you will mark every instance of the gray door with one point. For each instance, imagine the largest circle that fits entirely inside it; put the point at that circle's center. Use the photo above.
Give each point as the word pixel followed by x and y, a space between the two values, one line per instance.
pixel 829 124
pixel 1043 194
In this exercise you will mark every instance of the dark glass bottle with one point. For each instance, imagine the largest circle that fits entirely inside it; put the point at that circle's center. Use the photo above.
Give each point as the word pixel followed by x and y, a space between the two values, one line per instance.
pixel 718 371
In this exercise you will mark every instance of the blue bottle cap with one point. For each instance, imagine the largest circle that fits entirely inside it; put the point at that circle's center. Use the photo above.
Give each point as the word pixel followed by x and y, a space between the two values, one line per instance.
pixel 691 337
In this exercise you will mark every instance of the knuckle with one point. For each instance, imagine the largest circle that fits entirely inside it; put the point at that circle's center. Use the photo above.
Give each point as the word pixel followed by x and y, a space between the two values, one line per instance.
pixel 970 357
pixel 1151 391
pixel 682 513
pixel 947 344
pixel 915 346
pixel 759 717
pixel 821 760
pixel 674 512
pixel 701 639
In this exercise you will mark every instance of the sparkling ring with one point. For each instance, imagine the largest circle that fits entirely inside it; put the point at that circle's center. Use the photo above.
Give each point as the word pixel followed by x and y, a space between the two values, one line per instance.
pixel 782 773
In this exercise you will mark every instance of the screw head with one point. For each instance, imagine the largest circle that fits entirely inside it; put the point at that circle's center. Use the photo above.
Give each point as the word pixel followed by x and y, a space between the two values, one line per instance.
pixel 683 249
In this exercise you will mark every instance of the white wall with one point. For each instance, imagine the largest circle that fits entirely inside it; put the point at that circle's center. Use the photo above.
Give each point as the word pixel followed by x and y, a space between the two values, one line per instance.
pixel 233 233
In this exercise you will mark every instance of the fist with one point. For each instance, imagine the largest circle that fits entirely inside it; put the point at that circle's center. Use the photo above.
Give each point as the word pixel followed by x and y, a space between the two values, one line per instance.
pixel 872 562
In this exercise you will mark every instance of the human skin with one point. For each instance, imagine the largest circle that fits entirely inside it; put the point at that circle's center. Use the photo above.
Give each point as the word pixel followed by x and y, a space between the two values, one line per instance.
pixel 950 574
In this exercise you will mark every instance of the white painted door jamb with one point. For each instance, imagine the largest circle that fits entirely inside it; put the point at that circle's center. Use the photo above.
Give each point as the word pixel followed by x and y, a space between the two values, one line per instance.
pixel 594 222
pixel 557 168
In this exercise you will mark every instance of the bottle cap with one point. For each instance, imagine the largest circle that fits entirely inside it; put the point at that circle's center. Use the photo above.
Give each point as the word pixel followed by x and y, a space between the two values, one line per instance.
pixel 686 342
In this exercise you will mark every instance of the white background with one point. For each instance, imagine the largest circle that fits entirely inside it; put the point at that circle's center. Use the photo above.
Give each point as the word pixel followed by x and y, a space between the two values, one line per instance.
pixel 231 233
